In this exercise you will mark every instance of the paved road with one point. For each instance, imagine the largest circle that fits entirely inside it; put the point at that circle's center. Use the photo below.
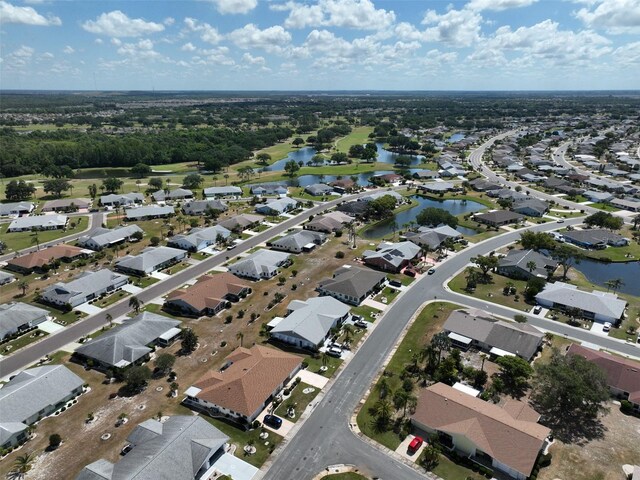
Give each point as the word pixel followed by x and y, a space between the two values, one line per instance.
pixel 54 342
pixel 95 221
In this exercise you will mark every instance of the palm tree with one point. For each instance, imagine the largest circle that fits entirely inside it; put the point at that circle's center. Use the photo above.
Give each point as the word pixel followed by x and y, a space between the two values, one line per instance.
pixel 35 239
pixel 226 178
pixel 483 356
pixel 348 333
pixel 109 318
pixel 531 266
pixel 430 354
pixel 615 284
pixel 324 358
pixel 23 464
pixel 240 336
pixel 215 179
pixel 383 388
pixel 136 304
pixel 441 342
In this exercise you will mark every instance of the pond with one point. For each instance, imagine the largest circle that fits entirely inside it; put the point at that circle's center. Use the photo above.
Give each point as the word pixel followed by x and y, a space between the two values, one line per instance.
pixel 455 207
pixel 385 156
pixel 601 272
pixel 456 137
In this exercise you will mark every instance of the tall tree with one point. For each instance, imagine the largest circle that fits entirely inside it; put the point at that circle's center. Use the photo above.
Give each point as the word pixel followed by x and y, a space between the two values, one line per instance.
pixel 566 257
pixel 136 304
pixel 56 186
pixel 112 184
pixel 19 190
pixel 291 167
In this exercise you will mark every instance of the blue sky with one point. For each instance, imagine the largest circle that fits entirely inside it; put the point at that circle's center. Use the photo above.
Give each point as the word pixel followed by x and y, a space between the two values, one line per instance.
pixel 320 45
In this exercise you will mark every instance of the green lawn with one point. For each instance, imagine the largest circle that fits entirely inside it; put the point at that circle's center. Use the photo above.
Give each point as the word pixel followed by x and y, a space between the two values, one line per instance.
pixel 199 256
pixel 428 322
pixel 20 240
pixel 365 312
pixel 315 364
pixel 299 399
pixel 492 292
pixel 615 254
pixel 358 136
pixel 389 293
pixel 604 206
pixel 111 299
pixel 345 476
pixel 178 267
pixel 22 341
pixel 448 470
pixel 143 282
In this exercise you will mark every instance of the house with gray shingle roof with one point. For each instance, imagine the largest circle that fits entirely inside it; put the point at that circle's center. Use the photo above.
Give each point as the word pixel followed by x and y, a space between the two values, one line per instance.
pixel 31 395
pixel 176 194
pixel 308 323
pixel 516 265
pixel 87 286
pixel 106 237
pixel 183 447
pixel 152 211
pixel 17 316
pixel 432 237
pixel 260 264
pixel 241 222
pixel 15 209
pixel 530 206
pixel 269 189
pixel 116 200
pixel 329 222
pixel 352 284
pixel 277 206
pixel 219 192
pixel 391 257
pixel 38 222
pixel 318 189
pixel 66 205
pixel 298 241
pixel 595 238
pixel 128 343
pixel 597 306
pixel 198 238
pixel 6 277
pixel 200 207
pixel 151 259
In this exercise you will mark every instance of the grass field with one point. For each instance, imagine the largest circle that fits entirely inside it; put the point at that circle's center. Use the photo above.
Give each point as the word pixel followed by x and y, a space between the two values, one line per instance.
pixel 20 240
pixel 358 136
pixel 297 398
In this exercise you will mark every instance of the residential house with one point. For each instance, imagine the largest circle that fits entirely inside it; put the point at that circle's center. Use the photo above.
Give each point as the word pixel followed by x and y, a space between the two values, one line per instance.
pixel 554 182
pixel 32 395
pixel 308 323
pixel 120 200
pixel 425 175
pixel 478 329
pixel 183 447
pixel 129 343
pixel 199 238
pixel 391 257
pixel 16 317
pixel 594 238
pixel 298 241
pixel 343 185
pixel 86 287
pixel 208 296
pixel 598 197
pixel 6 277
pixel 176 194
pixel 222 192
pixel 433 237
pixel 436 187
pixel 200 207
pixel 150 260
pixel 353 208
pixel 318 189
pixel 66 205
pixel 505 436
pixel 277 206
pixel 146 213
pixel 269 189
pixel 106 237
pixel 329 222
pixel 482 185
pixel 569 190
pixel 241 222
pixel 530 206
pixel 376 195
pixel 385 178
pixel 352 284
pixel 626 204
pixel 498 218
pixel 16 209
pixel 261 264
pixel 41 260
pixel 38 222
pixel 597 306
pixel 250 379
pixel 623 375
pixel 516 265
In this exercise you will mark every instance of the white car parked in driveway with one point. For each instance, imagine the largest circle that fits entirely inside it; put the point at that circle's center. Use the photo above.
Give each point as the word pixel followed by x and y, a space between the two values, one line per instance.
pixel 334 351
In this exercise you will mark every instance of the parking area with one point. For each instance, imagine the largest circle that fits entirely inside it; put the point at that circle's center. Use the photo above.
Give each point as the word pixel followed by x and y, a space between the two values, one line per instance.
pixel 50 326
pixel 88 309
pixel 598 329
pixel 132 289
pixel 404 451
pixel 284 429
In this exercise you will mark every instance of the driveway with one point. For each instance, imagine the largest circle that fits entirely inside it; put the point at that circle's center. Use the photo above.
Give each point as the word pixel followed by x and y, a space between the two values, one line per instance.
pixel 159 275
pixel 597 328
pixel 50 326
pixel 312 379
pixel 132 289
pixel 284 429
pixel 88 309
pixel 403 451
pixel 369 302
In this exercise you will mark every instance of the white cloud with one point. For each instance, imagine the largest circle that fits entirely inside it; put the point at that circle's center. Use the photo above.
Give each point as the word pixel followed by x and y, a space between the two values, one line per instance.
pixel 251 60
pixel 234 6
pixel 614 16
pixel 498 5
pixel 23 52
pixel 188 47
pixel 98 41
pixel 141 50
pixel 169 21
pixel 19 59
pixel 25 15
pixel 117 24
pixel 47 55
pixel 272 39
pixel 116 41
pixel 628 54
pixel 208 33
pixel 459 28
pixel 68 50
pixel 357 14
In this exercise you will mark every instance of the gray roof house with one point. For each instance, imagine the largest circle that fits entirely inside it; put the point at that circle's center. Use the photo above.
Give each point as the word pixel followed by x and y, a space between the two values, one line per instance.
pixel 432 237
pixel 318 189
pixel 115 199
pixel 31 395
pixel 183 447
pixel 66 204
pixel 374 196
pixel 499 338
pixel 241 222
pixel 626 204
pixel 260 264
pixel 298 241
pixel 598 306
pixel 152 211
pixel 497 218
pixel 532 207
pixel 391 257
pixel 175 194
pixel 127 343
pixel 38 222
pixel 597 197
pixel 594 238
pixel 309 322
pixel 105 237
pixel 226 191
pixel 199 207
pixel 6 277
pixel 352 284
pixel 86 287
pixel 269 189
pixel 515 264
pixel 18 316
pixel 277 206
pixel 150 260
pixel 436 187
pixel 16 208
pixel 199 238
pixel 329 222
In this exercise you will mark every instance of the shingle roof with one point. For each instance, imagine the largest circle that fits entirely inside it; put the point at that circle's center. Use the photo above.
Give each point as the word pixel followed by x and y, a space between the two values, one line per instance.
pixel 150 257
pixel 252 376
pixel 312 319
pixel 14 314
pixel 230 190
pixel 122 198
pixel 126 343
pixel 66 203
pixel 196 207
pixel 520 259
pixel 9 208
pixel 176 193
pixel 150 211
pixel 514 443
pixel 198 235
pixel 279 205
pixel 392 253
pixel 175 449
pixel 352 281
pixel 84 285
pixel 622 373
pixel 330 221
pixel 39 221
pixel 603 303
pixel 46 255
pixel 107 236
pixel 593 237
pixel 259 262
pixel 318 188
pixel 499 216
pixel 297 240
pixel 240 221
pixel 209 291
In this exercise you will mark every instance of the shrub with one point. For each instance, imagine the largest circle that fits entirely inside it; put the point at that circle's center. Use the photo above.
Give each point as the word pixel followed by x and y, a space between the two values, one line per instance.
pixel 228 319
pixel 339 254
pixel 54 441
pixel 626 406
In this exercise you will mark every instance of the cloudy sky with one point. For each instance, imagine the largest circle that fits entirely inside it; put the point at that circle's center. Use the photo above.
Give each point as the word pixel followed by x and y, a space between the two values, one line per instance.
pixel 320 45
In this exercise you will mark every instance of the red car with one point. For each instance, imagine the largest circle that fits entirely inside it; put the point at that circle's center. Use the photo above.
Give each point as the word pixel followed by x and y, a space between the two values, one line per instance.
pixel 415 444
